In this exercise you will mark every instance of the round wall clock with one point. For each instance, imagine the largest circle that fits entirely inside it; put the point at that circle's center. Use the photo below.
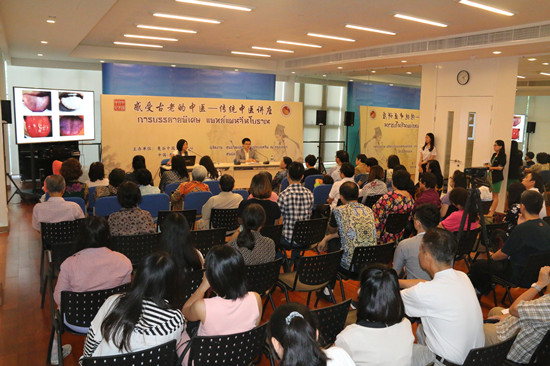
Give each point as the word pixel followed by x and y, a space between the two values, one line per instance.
pixel 463 77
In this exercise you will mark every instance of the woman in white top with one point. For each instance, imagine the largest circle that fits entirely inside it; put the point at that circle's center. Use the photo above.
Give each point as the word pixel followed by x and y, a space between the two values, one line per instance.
pixel 294 336
pixel 428 152
pixel 382 335
pixel 145 317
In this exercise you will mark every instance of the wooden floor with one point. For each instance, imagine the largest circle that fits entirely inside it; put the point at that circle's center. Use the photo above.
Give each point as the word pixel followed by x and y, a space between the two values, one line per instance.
pixel 25 328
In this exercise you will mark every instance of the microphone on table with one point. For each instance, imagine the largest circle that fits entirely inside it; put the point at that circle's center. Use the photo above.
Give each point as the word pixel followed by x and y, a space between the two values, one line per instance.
pixel 194 152
pixel 235 161
pixel 266 158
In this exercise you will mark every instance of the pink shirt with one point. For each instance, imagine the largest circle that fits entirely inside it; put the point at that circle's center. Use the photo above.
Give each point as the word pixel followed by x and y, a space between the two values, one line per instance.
pixel 56 209
pixel 273 197
pixel 93 269
pixel 452 222
pixel 225 317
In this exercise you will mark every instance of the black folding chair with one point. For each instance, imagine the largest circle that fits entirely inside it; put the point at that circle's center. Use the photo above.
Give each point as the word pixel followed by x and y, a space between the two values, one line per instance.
pixel 224 218
pixel 274 232
pixel 231 350
pixel 369 201
pixel 362 256
pixel 163 355
pixel 190 216
pixel 192 281
pixel 204 240
pixel 332 321
pixel 58 253
pixel 308 233
pixel 396 223
pixel 494 355
pixel 311 274
pixel 261 278
pixel 547 219
pixel 78 309
pixel 136 247
pixel 486 206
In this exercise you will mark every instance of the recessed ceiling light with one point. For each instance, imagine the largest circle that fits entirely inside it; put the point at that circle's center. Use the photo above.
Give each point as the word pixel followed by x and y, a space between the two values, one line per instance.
pixel 272 49
pixel 138 44
pixel 191 19
pixel 101 61
pixel 404 61
pixel 544 73
pixel 143 26
pixel 486 7
pixel 340 67
pixel 331 37
pixel 44 42
pixel 300 44
pixel 545 63
pixel 521 77
pixel 367 29
pixel 250 54
pixel 172 65
pixel 293 72
pixel 497 52
pixel 419 20
pixel 236 69
pixel 350 79
pixel 217 4
pixel 151 37
pixel 40 55
pixel 391 84
pixel 324 75
pixel 532 59
pixel 409 73
pixel 373 71
pixel 50 20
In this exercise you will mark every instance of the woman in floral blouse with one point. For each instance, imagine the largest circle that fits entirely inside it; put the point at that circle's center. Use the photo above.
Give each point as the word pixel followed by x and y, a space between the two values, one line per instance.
pixel 396 201
pixel 196 185
pixel 130 220
pixel 71 170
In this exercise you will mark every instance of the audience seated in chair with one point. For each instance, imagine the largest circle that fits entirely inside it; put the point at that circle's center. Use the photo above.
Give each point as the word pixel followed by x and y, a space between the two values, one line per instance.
pixel 178 173
pixel 528 315
pixel 225 199
pixel 254 247
pixel 294 337
pixel 116 177
pixel 361 166
pixel 55 209
pixel 534 182
pixel 514 197
pixel 262 194
pixel 138 162
pixel 342 157
pixel 96 175
pixel 145 182
pixel 144 317
pixel 130 220
pixel 458 197
pixel 458 179
pixel 310 161
pixel 374 185
pixel 208 164
pixel 452 323
pixel 346 175
pixel 427 194
pixel 281 174
pixel 405 260
pixel 382 335
pixel 71 170
pixel 195 185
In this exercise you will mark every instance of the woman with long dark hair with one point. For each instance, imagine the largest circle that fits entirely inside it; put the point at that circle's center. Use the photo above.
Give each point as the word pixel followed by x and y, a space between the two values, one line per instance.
pixel 382 335
pixel 434 168
pixel 498 161
pixel 174 240
pixel 428 152
pixel 178 173
pixel 514 170
pixel 145 317
pixel 294 333
pixel 207 162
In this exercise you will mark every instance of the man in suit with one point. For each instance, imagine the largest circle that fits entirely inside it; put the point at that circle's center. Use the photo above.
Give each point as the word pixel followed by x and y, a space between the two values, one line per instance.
pixel 246 154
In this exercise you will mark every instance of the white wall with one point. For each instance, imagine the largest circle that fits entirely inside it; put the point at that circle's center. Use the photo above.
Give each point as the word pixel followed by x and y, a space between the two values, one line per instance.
pixel 57 79
pixel 537 109
pixel 3 197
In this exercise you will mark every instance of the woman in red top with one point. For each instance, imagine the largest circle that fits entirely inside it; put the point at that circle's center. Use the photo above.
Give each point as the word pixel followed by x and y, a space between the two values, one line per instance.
pixel 196 185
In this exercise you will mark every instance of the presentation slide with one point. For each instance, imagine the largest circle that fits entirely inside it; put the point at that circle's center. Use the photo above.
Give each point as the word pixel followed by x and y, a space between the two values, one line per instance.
pixel 53 115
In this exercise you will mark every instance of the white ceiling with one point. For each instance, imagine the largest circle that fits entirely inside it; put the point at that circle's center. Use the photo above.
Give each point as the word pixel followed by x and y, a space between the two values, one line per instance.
pixel 85 30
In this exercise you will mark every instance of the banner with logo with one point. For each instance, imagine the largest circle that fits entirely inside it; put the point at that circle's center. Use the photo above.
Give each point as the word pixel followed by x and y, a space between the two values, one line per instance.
pixel 390 131
pixel 151 126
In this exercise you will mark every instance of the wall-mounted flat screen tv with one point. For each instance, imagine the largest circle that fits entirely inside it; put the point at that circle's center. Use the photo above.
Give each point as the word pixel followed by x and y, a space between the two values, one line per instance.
pixel 53 115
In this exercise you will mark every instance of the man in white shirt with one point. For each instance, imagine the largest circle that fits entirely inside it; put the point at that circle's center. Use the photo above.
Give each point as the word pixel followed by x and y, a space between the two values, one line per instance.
pixel 345 175
pixel 341 157
pixel 225 199
pixel 55 209
pixel 452 322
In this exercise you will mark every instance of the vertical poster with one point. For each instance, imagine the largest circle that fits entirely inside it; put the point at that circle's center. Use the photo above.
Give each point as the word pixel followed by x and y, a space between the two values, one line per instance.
pixel 390 131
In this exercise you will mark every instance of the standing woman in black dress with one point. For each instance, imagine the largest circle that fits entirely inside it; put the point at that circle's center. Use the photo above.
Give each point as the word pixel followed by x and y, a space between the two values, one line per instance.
pixel 498 161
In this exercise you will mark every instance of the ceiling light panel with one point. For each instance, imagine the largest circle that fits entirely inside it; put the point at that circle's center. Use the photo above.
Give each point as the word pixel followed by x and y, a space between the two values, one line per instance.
pixel 367 29
pixel 544 73
pixel 300 44
pixel 183 17
pixel 486 7
pixel 272 49
pixel 331 37
pixel 151 37
pixel 153 27
pixel 521 77
pixel 137 44
pixel 420 20
pixel 250 54
pixel 217 4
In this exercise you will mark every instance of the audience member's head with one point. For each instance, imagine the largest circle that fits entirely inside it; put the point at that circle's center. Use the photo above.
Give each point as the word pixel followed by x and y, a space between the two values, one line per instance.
pixel 361 158
pixel 174 240
pixel 458 197
pixel 93 233
pixel 347 170
pixel 371 162
pixel 379 297
pixel 96 171
pixel 285 162
pixel 440 245
pixel 199 173
pixel 207 162
pixel 529 156
pixel 393 161
pixel 178 166
pixel 434 168
pixel 376 172
pixel 349 192
pixel 401 180
pixel 227 183
pixel 226 273
pixel 295 171
pixel 310 161
pixel 253 218
pixel 144 177
pixel 399 167
pixel 514 193
pixel 71 170
pixel 533 180
pixel 260 186
pixel 116 177
pixel 327 179
pixel 138 162
pixel 427 215
pixel 542 158
pixel 458 179
pixel 342 156
pixel 294 334
pixel 428 180
pixel 55 185
pixel 531 202
pixel 128 194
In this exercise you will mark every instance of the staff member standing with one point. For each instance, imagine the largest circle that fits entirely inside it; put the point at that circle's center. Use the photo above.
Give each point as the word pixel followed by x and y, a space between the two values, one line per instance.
pixel 428 152
pixel 498 161
pixel 246 154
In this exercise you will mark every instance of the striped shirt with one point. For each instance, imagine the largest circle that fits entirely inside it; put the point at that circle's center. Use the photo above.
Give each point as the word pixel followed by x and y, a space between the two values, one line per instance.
pixel 154 327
